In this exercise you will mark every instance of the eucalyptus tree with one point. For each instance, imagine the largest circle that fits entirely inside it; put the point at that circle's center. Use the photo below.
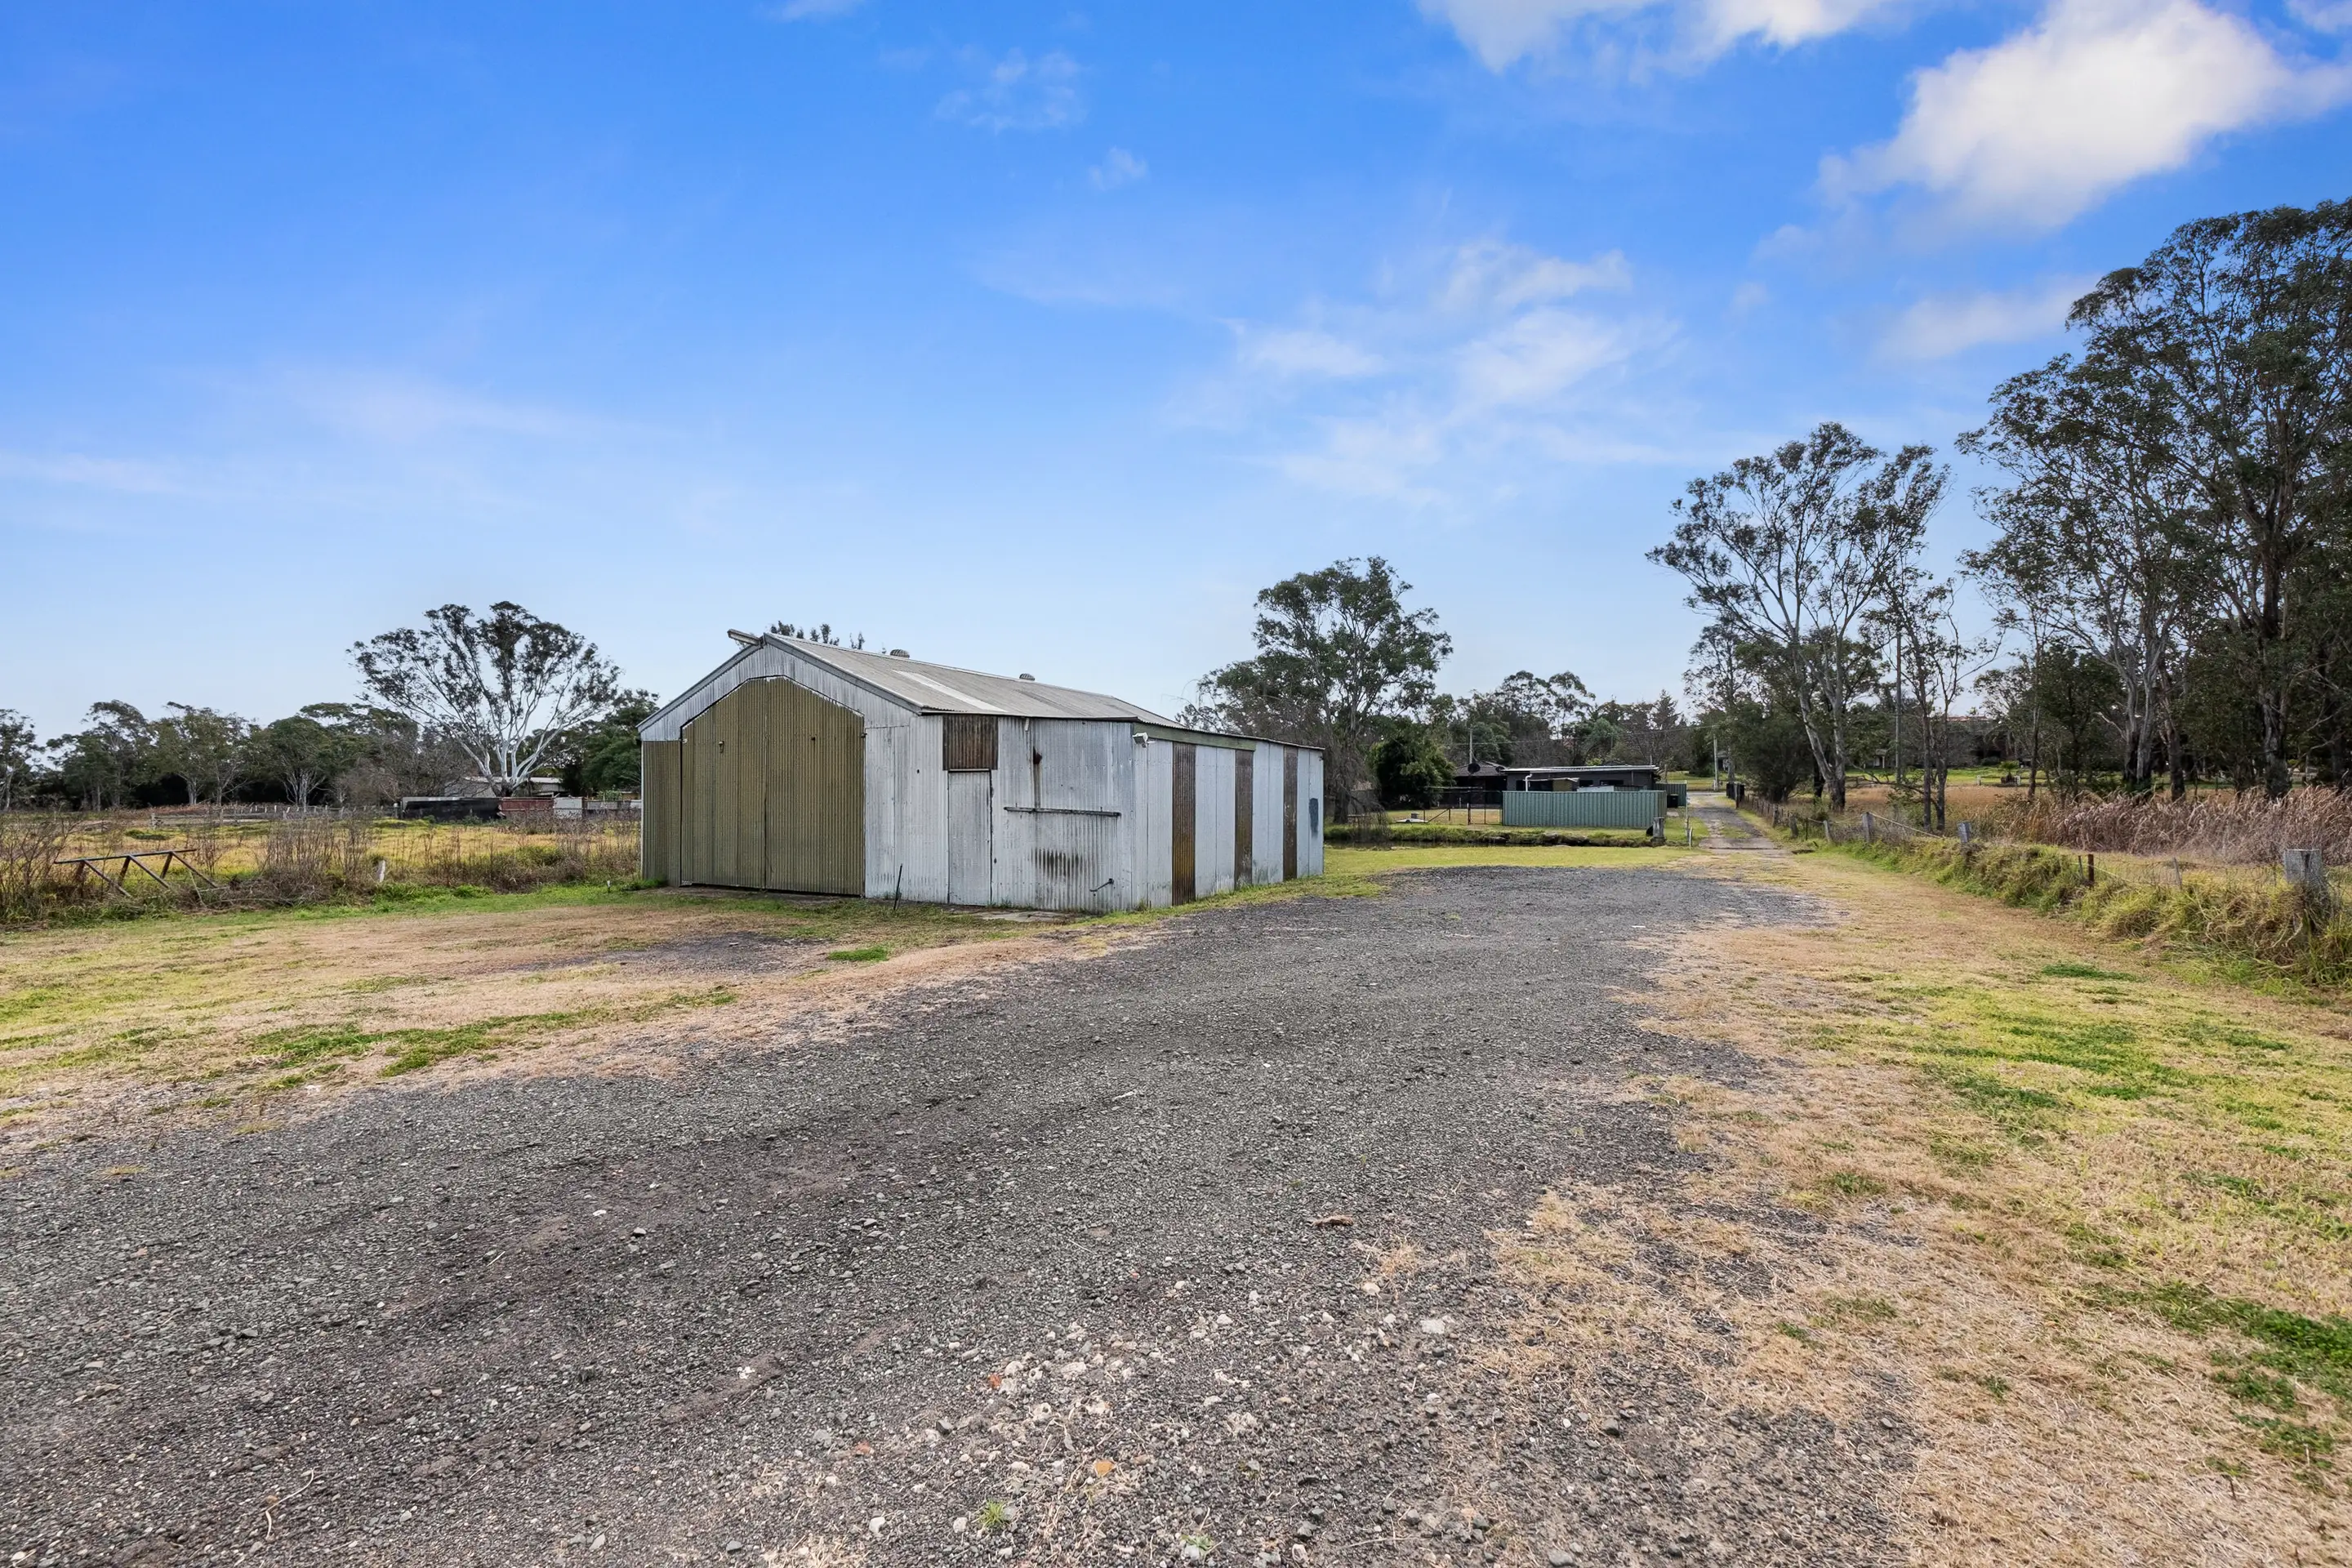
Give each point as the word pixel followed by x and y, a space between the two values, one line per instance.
pixel 101 764
pixel 18 747
pixel 505 688
pixel 305 751
pixel 2098 533
pixel 1338 653
pixel 2240 330
pixel 204 748
pixel 1790 554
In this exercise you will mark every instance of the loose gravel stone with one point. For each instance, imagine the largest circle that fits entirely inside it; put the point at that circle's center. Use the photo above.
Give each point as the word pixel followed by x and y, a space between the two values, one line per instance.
pixel 1019 1268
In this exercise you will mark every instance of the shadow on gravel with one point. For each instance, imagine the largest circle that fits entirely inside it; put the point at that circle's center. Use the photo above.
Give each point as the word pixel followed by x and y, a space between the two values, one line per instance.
pixel 1182 1248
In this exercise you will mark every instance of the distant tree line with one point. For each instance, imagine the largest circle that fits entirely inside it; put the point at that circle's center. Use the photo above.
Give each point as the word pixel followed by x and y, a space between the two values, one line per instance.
pixel 467 702
pixel 2171 569
pixel 1342 663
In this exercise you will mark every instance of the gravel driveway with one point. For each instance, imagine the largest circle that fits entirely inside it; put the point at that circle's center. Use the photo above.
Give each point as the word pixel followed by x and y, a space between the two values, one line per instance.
pixel 1026 1269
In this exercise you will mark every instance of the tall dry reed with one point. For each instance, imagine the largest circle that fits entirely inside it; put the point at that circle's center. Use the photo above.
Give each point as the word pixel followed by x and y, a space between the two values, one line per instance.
pixel 2227 829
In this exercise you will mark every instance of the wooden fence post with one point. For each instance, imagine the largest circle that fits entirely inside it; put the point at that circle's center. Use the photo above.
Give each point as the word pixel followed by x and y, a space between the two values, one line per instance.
pixel 2308 873
pixel 1869 828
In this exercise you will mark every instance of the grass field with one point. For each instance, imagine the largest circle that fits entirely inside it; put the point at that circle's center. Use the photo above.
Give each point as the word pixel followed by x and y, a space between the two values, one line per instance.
pixel 2094 1210
pixel 227 1011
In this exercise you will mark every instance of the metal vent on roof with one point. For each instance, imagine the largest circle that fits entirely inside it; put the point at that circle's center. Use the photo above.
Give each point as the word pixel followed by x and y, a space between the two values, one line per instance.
pixel 1027 676
pixel 900 653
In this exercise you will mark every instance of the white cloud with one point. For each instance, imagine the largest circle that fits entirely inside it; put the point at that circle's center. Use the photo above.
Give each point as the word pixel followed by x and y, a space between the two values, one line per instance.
pixel 1491 273
pixel 1378 457
pixel 1298 351
pixel 1786 23
pixel 1119 167
pixel 1473 365
pixel 813 10
pixel 1502 33
pixel 2040 126
pixel 1943 324
pixel 1017 93
pixel 1537 356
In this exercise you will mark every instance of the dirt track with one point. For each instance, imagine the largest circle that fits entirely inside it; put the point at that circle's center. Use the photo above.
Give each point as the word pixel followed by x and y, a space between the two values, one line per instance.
pixel 1044 1239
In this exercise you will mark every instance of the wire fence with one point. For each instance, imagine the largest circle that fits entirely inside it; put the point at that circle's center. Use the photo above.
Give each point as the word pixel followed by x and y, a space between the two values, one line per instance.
pixel 2306 871
pixel 54 864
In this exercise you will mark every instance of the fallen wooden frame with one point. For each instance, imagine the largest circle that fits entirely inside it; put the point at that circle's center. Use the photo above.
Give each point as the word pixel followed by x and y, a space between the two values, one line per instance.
pixel 84 865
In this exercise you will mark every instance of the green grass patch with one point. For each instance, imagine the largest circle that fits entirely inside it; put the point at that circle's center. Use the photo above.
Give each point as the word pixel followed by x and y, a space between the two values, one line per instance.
pixel 2314 1351
pixel 1859 1312
pixel 302 1044
pixel 2083 971
pixel 2310 1446
pixel 859 955
pixel 2024 1115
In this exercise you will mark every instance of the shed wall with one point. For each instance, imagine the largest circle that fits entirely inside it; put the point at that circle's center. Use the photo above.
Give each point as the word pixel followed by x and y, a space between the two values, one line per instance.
pixel 1076 814
pixel 661 812
pixel 1065 815
pixel 1311 824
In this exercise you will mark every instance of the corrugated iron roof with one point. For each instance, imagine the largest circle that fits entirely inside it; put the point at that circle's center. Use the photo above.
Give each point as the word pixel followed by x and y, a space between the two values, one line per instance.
pixel 943 688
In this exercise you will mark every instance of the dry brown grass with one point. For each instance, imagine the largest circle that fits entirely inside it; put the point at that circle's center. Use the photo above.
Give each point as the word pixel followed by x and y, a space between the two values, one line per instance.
pixel 2018 1142
pixel 1963 802
pixel 2227 829
pixel 235 1015
pixel 294 861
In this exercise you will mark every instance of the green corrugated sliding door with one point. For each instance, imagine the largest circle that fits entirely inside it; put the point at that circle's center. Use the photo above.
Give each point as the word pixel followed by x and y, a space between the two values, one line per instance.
pixel 773 793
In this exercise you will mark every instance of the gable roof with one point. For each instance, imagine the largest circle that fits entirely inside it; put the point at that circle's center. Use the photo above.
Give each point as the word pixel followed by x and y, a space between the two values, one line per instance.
pixel 944 689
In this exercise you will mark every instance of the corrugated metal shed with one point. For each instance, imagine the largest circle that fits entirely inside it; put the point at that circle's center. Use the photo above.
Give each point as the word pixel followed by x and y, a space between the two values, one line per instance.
pixel 976 788
pixel 942 687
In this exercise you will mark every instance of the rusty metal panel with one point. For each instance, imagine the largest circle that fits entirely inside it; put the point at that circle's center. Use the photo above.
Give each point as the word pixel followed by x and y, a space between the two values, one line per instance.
pixel 1311 789
pixel 1245 814
pixel 969 742
pixel 1289 814
pixel 1076 855
pixel 1064 790
pixel 1184 821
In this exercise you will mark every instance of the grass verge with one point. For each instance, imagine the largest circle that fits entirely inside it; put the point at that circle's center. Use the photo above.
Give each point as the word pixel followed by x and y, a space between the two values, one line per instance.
pixel 2080 1217
pixel 2256 928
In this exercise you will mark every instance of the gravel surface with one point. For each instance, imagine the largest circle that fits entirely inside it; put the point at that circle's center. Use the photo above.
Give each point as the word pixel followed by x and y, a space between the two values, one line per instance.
pixel 1025 1270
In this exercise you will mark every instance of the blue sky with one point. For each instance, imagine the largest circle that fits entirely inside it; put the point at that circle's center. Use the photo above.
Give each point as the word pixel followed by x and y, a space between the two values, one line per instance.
pixel 1025 337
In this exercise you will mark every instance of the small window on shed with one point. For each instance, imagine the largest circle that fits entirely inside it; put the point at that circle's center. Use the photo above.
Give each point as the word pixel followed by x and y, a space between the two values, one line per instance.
pixel 971 742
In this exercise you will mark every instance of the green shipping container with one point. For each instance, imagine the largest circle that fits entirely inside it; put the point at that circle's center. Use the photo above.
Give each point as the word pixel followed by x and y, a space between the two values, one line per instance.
pixel 1582 807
